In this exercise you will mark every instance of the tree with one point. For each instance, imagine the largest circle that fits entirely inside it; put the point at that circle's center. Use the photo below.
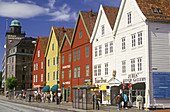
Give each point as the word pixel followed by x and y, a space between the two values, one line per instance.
pixel 11 83
pixel 0 79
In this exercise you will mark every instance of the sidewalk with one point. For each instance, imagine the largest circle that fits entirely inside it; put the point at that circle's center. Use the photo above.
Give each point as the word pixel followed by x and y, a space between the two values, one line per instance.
pixel 68 106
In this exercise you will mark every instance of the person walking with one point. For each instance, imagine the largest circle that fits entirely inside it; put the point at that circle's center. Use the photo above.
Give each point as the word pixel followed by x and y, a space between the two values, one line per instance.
pixel 97 101
pixel 49 96
pixel 56 98
pixel 125 100
pixel 118 98
pixel 140 101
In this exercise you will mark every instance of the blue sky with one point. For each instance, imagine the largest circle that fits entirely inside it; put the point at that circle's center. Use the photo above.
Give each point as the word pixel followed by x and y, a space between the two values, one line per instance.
pixel 38 16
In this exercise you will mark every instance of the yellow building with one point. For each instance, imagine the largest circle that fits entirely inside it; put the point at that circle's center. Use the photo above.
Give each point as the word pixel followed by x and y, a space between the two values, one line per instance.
pixel 53 56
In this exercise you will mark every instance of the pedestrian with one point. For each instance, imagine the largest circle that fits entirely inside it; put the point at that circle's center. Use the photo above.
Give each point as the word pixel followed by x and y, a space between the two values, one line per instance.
pixel 61 97
pixel 125 100
pixel 121 101
pixel 97 101
pixel 56 98
pixel 51 97
pixel 140 101
pixel 118 100
pixel 42 97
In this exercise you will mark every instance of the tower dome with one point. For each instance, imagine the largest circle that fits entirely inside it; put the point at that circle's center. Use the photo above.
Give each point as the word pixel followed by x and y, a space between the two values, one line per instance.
pixel 15 23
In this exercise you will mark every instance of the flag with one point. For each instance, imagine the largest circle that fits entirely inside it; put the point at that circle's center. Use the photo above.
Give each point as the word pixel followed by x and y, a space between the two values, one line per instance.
pixel 124 86
pixel 130 84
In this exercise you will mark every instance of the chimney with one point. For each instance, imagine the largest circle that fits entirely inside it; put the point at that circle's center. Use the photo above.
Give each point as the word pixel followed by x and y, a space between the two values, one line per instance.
pixel 90 12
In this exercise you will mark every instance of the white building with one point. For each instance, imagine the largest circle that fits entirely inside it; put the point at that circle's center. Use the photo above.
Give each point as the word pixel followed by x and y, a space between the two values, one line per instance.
pixel 3 70
pixel 142 48
pixel 103 49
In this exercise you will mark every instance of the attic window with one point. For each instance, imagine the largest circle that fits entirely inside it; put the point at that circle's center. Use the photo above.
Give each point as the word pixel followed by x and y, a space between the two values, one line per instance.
pixel 156 10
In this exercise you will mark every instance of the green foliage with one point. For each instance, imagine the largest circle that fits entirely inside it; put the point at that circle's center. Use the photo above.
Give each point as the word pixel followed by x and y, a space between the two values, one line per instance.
pixel 11 83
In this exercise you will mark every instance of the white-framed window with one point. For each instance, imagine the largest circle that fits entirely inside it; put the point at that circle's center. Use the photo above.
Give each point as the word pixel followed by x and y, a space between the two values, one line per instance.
pixel 78 71
pixel 139 64
pixel 36 68
pixel 102 28
pixel 12 67
pixel 48 78
pixel 99 70
pixel 62 74
pixel 57 75
pixel 48 62
pixel 96 51
pixel 123 66
pixel 129 18
pixel 95 70
pixel 106 68
pixel 106 48
pixel 53 75
pixel 100 50
pixel 41 77
pixel 38 53
pixel 52 46
pixel 41 64
pixel 36 78
pixel 53 60
pixel 140 38
pixel 75 72
pixel 132 65
pixel 133 40
pixel 111 47
pixel 123 43
pixel 87 70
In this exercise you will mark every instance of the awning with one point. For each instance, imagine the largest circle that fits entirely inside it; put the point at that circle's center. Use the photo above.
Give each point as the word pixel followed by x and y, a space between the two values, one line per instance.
pixel 54 88
pixel 46 88
pixel 104 87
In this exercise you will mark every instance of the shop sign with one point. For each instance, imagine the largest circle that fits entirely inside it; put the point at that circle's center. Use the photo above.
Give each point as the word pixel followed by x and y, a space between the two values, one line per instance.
pixel 97 80
pixel 134 78
pixel 68 82
pixel 67 66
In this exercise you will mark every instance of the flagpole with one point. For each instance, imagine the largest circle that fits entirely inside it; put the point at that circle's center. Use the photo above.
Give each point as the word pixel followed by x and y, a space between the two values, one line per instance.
pixel 6 25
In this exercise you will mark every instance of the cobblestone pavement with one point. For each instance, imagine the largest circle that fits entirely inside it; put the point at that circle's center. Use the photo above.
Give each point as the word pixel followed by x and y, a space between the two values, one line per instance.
pixel 68 106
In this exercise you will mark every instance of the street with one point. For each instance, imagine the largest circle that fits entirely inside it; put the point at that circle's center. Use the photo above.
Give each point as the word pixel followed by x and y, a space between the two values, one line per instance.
pixel 6 106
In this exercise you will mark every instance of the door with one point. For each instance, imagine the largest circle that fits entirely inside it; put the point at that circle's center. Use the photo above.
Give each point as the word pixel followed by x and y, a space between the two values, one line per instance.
pixel 114 91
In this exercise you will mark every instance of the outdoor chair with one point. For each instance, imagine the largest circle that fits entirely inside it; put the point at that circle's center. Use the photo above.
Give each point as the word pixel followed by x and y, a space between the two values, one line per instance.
pixel 155 105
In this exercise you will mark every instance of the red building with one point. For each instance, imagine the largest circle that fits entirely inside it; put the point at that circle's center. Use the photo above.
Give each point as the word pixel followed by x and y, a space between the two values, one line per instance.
pixel 38 77
pixel 81 49
pixel 65 68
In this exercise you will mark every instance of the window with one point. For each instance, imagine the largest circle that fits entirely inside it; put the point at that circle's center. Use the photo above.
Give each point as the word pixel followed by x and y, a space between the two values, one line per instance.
pixel 75 55
pixel 87 51
pixel 78 54
pixel 62 59
pixel 53 76
pixel 78 69
pixel 87 70
pixel 140 38
pixel 38 53
pixel 80 34
pixel 41 77
pixel 139 64
pixel 9 68
pixel 111 47
pixel 75 72
pixel 69 92
pixel 48 62
pixel 66 44
pixel 100 50
pixel 34 67
pixel 48 76
pixel 69 73
pixel 53 60
pixel 69 57
pixel 57 74
pixel 12 67
pixel 102 27
pixel 123 43
pixel 52 46
pixel 95 51
pixel 106 68
pixel 106 48
pixel 41 64
pixel 129 17
pixel 95 70
pixel 123 66
pixel 36 78
pixel 57 60
pixel 133 40
pixel 99 70
pixel 132 65
pixel 12 59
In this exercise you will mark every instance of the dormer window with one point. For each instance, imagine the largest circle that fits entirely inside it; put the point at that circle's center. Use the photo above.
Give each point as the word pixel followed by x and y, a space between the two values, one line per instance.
pixel 156 10
pixel 80 34
pixel 102 27
pixel 38 53
pixel 53 47
pixel 129 18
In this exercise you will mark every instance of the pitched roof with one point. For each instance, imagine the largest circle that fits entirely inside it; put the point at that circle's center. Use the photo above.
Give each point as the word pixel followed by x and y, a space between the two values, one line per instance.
pixel 43 42
pixel 59 32
pixel 155 9
pixel 111 13
pixel 89 19
pixel 69 34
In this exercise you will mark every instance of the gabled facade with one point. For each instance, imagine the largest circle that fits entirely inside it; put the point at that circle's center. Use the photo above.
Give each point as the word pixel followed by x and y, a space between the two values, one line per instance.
pixel 142 36
pixel 38 77
pixel 65 70
pixel 81 49
pixel 103 49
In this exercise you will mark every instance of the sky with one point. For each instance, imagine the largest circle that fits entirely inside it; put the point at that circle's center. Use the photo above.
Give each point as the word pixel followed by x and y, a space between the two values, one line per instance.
pixel 38 16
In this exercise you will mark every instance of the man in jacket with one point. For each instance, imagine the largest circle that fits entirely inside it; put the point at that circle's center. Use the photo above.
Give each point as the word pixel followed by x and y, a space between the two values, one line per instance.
pixel 118 98
pixel 140 101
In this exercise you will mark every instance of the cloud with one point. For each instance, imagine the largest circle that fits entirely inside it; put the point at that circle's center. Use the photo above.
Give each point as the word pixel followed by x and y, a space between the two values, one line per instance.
pixel 21 10
pixel 51 3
